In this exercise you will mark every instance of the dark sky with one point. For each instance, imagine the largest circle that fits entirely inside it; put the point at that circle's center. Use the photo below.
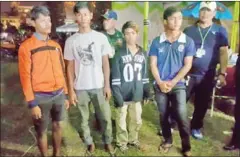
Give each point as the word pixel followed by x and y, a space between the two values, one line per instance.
pixel 5 6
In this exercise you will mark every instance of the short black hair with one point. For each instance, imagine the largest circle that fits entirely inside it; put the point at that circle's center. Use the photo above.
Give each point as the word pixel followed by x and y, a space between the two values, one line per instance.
pixel 169 11
pixel 80 5
pixel 130 24
pixel 34 13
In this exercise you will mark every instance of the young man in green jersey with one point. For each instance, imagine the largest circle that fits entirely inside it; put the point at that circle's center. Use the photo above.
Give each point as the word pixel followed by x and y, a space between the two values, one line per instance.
pixel 114 36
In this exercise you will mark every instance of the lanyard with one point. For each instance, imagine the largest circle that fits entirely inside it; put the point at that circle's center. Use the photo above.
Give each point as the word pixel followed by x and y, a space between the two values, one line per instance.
pixel 203 38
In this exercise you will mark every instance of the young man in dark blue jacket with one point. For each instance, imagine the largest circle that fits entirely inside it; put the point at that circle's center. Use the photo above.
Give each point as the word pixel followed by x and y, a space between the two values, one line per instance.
pixel 130 85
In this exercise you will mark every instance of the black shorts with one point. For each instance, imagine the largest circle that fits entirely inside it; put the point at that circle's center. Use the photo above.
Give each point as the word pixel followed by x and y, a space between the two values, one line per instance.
pixel 51 108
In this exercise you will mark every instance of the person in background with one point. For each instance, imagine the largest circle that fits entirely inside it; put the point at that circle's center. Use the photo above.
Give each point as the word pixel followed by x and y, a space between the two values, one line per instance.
pixel 171 56
pixel 42 75
pixel 235 140
pixel 115 37
pixel 211 42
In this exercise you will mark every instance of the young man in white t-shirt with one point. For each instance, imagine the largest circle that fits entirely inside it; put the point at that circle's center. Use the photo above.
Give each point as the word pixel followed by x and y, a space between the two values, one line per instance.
pixel 88 74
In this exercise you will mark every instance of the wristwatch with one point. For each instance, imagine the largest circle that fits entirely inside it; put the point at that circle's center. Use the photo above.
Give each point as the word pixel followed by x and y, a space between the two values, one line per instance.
pixel 223 74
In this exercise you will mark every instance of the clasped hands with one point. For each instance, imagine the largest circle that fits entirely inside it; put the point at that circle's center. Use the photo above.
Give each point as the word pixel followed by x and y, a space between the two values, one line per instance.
pixel 166 86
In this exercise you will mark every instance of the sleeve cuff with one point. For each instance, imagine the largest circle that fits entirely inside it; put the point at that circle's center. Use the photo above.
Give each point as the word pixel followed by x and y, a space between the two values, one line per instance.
pixel 118 103
pixel 32 103
pixel 66 97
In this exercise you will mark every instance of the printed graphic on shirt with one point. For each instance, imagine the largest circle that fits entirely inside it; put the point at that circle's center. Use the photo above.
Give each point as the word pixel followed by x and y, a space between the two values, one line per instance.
pixel 86 54
pixel 160 49
pixel 132 65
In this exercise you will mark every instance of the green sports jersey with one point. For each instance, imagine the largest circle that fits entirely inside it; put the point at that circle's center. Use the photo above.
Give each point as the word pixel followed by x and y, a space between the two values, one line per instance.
pixel 116 40
pixel 130 80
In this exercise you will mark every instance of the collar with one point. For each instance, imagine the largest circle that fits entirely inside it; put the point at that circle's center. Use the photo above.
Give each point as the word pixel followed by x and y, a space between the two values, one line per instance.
pixel 39 36
pixel 113 33
pixel 125 48
pixel 182 38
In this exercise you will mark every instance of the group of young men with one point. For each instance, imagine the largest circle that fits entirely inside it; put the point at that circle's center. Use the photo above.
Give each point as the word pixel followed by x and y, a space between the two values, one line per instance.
pixel 100 65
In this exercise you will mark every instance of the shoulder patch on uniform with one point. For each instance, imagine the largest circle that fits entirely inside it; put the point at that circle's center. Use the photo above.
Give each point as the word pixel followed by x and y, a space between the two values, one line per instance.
pixel 160 49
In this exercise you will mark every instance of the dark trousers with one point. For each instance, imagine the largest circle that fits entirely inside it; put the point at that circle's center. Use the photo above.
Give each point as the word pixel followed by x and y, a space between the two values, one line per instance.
pixel 236 131
pixel 202 87
pixel 177 97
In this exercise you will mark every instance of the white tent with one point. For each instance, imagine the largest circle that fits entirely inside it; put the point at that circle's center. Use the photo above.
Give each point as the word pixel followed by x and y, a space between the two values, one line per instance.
pixel 68 28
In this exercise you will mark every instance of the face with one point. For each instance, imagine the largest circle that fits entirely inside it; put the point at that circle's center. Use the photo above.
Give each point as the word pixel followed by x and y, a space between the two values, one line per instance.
pixel 108 24
pixel 130 36
pixel 206 15
pixel 84 17
pixel 29 21
pixel 42 24
pixel 174 22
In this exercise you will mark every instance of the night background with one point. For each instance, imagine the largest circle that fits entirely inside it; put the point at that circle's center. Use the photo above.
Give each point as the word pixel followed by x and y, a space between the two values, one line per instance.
pixel 16 124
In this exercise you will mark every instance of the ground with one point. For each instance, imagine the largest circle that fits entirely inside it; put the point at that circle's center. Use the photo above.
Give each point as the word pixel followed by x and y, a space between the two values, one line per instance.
pixel 16 127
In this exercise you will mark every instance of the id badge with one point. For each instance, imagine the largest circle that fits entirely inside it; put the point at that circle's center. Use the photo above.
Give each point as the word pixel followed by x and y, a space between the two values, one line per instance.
pixel 200 52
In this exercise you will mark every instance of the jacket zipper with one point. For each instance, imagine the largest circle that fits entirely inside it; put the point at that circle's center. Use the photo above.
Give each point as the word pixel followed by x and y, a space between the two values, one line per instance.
pixel 52 68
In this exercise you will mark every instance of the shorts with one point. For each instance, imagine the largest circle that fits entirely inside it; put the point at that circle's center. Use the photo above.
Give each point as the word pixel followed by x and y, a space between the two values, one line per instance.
pixel 52 107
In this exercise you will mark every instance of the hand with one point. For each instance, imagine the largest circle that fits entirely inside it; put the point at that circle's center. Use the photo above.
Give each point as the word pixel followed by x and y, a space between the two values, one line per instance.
pixel 73 98
pixel 107 93
pixel 36 112
pixel 164 87
pixel 67 104
pixel 119 42
pixel 222 80
pixel 171 84
pixel 145 101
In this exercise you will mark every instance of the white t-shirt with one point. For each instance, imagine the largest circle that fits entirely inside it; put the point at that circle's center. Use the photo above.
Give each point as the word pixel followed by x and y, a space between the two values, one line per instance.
pixel 87 49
